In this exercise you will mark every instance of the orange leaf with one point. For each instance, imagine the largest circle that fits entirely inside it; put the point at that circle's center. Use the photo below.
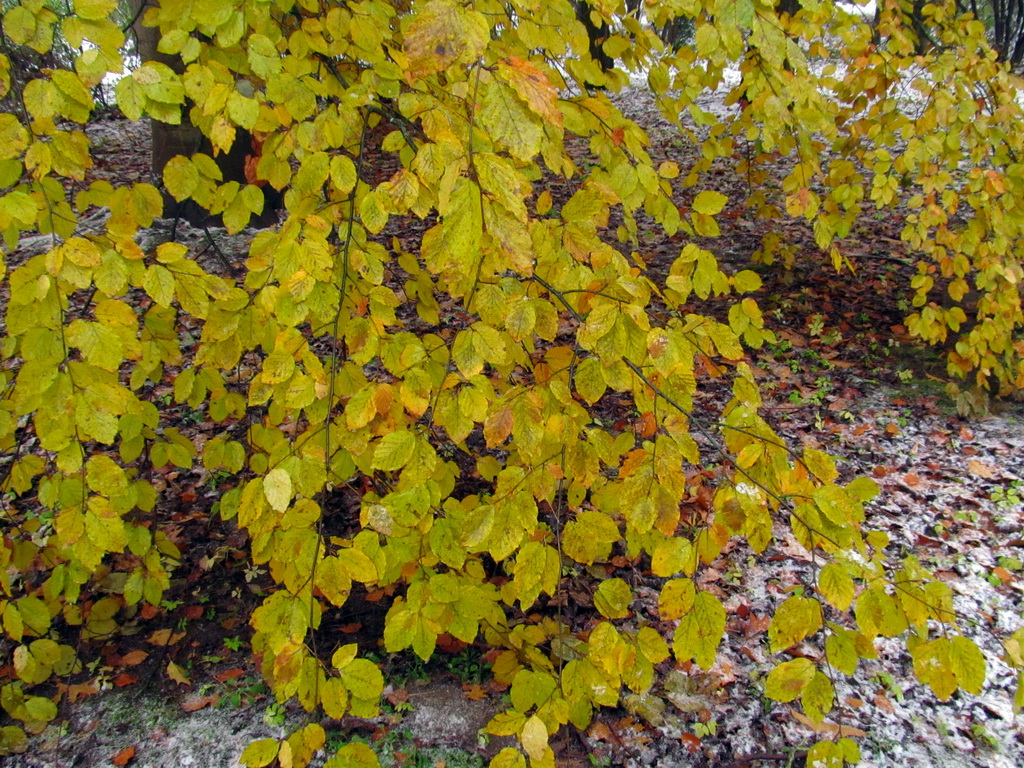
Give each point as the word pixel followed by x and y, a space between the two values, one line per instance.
pixel 449 644
pixel 164 637
pixel 134 658
pixel 124 679
pixel 498 426
pixel 124 756
pixel 351 629
pixel 532 86
pixel 229 674
pixel 833 728
pixel 618 135
pixel 600 731
pixel 474 692
pixel 149 611
pixel 1002 574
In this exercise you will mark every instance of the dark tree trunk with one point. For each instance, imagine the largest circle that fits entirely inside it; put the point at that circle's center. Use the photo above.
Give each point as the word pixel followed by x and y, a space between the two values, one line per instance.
pixel 186 139
pixel 597 33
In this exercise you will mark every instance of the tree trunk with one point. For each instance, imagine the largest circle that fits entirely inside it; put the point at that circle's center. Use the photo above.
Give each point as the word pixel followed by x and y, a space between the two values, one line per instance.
pixel 186 139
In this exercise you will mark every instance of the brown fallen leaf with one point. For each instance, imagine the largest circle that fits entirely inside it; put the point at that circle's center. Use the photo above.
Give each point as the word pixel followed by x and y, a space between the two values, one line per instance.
pixel 883 703
pixel 79 690
pixel 199 702
pixel 164 637
pixel 823 727
pixel 978 469
pixel 124 756
pixel 396 697
pixel 691 743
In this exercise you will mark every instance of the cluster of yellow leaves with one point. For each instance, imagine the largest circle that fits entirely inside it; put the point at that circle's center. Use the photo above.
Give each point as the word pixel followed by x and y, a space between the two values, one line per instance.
pixel 512 318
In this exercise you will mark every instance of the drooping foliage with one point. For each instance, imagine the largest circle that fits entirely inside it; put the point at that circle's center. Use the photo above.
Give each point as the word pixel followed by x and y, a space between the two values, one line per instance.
pixel 452 382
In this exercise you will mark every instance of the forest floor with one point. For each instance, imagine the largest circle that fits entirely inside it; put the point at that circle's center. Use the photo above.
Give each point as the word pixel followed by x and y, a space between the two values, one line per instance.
pixel 181 689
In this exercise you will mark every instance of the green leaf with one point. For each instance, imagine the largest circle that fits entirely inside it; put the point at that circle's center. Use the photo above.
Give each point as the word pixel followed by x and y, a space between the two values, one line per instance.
pixel 243 111
pixel 818 697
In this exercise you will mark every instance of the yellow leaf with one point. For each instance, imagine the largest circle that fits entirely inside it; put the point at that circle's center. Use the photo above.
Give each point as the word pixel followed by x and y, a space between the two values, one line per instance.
pixel 534 738
pixel 672 556
pixel 709 202
pixel 95 10
pixel 343 173
pixel 277 488
pixel 676 599
pixel 788 680
pixel 260 753
pixel 612 599
pixel 968 664
pixel 509 757
pixel 746 281
pixel 442 33
pixel 794 620
pixel 932 666
pixel 177 674
pixel 509 121
pixel 836 586
pixel 700 631
pixel 354 755
pixel 394 450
